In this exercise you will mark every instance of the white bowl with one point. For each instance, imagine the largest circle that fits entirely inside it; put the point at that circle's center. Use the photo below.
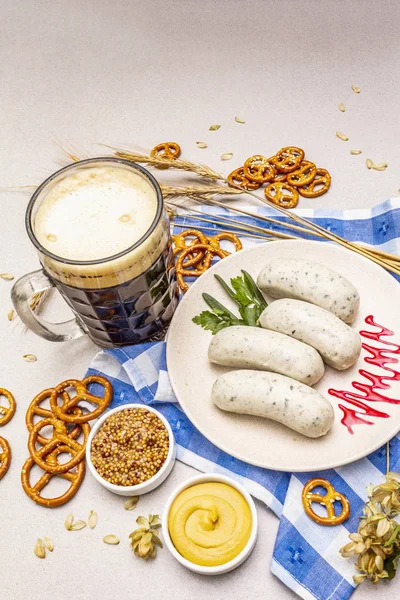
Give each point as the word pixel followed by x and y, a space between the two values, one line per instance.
pixel 241 557
pixel 146 486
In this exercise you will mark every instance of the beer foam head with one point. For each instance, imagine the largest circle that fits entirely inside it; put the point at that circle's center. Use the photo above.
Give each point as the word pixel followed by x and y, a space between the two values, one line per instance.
pixel 95 212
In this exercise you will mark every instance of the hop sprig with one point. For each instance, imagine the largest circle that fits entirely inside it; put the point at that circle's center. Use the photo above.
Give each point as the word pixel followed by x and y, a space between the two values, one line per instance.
pixel 145 539
pixel 377 541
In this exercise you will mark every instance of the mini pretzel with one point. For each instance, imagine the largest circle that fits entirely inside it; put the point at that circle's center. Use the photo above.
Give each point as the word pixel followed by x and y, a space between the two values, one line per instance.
pixel 288 159
pixel 35 409
pixel 59 438
pixel 227 235
pixel 179 266
pixel 282 177
pixel 258 169
pixel 5 456
pixel 313 189
pixel 238 178
pixel 34 491
pixel 282 194
pixel 303 175
pixel 9 411
pixel 180 244
pixel 307 497
pixel 63 412
pixel 166 150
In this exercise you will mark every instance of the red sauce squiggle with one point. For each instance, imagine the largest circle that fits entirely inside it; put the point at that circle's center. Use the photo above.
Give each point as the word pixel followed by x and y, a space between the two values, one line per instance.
pixel 370 390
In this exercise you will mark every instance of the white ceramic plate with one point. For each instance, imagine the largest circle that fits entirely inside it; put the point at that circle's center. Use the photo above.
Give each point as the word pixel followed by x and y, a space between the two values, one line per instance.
pixel 260 441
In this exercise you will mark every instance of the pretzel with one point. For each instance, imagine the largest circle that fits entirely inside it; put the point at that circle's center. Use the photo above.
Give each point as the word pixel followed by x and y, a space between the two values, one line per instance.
pixel 288 159
pixel 227 235
pixel 303 175
pixel 258 169
pixel 322 178
pixel 35 410
pixel 307 497
pixel 34 491
pixel 9 411
pixel 282 177
pixel 63 412
pixel 60 437
pixel 275 192
pixel 238 178
pixel 199 238
pixel 166 150
pixel 181 272
pixel 5 456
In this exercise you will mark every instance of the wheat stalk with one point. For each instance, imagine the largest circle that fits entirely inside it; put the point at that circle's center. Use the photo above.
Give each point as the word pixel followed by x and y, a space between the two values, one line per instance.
pixel 170 192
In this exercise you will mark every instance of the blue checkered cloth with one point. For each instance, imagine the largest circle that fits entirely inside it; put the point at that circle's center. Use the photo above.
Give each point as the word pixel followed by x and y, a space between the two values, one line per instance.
pixel 305 557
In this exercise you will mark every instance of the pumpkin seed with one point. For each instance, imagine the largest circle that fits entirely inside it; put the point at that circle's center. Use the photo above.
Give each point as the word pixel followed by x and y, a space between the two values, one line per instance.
pixel 30 357
pixel 342 136
pixel 201 144
pixel 111 539
pixel 131 503
pixel 355 151
pixel 39 549
pixel 68 522
pixel 7 276
pixel 48 543
pixel 369 163
pixel 239 120
pixel 214 127
pixel 226 156
pixel 342 107
pixel 92 520
pixel 355 89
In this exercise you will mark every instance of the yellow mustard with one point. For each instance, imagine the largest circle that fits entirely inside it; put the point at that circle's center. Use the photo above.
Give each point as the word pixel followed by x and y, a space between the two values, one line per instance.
pixel 210 523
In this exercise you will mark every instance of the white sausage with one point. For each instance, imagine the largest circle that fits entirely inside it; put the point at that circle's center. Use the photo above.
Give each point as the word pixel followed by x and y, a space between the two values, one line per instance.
pixel 338 344
pixel 244 347
pixel 274 397
pixel 312 282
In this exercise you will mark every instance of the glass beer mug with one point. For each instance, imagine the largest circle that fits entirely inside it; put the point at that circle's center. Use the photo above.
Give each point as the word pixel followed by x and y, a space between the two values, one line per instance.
pixel 103 239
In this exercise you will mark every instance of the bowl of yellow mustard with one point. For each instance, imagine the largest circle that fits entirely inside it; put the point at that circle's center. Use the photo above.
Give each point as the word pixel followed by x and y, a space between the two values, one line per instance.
pixel 210 524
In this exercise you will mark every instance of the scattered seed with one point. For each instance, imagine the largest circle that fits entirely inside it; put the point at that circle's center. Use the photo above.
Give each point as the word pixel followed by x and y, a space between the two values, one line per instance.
pixel 226 156
pixel 341 136
pixel 355 89
pixel 380 167
pixel 92 520
pixel 77 525
pixel 111 539
pixel 239 120
pixel 68 522
pixel 214 127
pixel 7 276
pixel 201 144
pixel 39 549
pixel 48 543
pixel 342 107
pixel 131 503
pixel 369 163
pixel 10 314
pixel 30 357
pixel 355 151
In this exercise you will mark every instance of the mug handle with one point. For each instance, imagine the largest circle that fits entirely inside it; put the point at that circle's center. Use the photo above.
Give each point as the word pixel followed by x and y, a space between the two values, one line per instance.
pixel 21 295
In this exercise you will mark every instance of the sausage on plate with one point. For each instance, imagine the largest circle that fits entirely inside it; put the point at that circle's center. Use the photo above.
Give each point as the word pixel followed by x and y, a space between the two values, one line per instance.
pixel 274 397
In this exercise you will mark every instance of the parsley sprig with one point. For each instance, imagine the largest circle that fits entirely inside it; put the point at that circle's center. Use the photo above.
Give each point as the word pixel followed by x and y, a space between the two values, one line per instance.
pixel 246 295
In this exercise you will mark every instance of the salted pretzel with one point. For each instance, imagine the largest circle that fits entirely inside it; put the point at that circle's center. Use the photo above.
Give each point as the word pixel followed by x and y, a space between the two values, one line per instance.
pixel 34 409
pixel 9 411
pixel 60 437
pixel 282 177
pixel 238 178
pixel 181 272
pixel 180 244
pixel 34 491
pixel 282 194
pixel 258 169
pixel 318 186
pixel 227 235
pixel 327 500
pixel 63 411
pixel 5 456
pixel 166 150
pixel 288 159
pixel 303 175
